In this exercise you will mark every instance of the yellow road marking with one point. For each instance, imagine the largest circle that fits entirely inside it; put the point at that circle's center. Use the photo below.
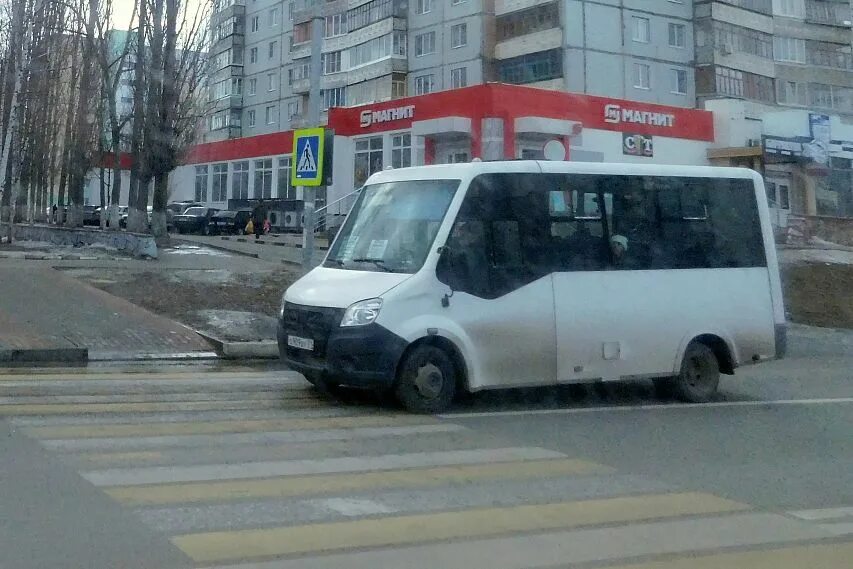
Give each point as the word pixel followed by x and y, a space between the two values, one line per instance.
pixel 823 556
pixel 399 530
pixel 109 457
pixel 288 486
pixel 216 427
pixel 81 408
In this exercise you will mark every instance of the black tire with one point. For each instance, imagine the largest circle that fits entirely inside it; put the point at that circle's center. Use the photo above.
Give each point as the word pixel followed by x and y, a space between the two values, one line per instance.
pixel 426 380
pixel 700 375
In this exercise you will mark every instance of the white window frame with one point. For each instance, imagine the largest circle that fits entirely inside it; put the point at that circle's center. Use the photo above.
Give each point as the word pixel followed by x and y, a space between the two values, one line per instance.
pixel 676 73
pixel 253 86
pixel 292 109
pixel 271 82
pixel 253 55
pixel 425 80
pixel 641 29
pixel 269 114
pixel 400 149
pixel 682 28
pixel 789 50
pixel 423 7
pixel 789 8
pixel 217 175
pixel 421 44
pixel 256 23
pixel 250 118
pixel 335 57
pixel 272 49
pixel 460 30
pixel 274 19
pixel 638 76
pixel 284 174
pixel 459 77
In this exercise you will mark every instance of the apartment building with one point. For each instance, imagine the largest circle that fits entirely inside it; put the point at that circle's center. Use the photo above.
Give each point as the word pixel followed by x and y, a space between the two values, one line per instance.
pixel 377 50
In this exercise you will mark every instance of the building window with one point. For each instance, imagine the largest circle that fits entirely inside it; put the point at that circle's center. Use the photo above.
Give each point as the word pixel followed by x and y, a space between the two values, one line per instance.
pixel 401 150
pixel 424 6
pixel 299 72
pixel 240 181
pixel 642 76
pixel 269 113
pixel 273 49
pixel 374 11
pixel 789 49
pixel 333 97
pixel 729 38
pixel 274 17
pixel 424 84
pixel 677 34
pixel 399 88
pixel 533 67
pixel 457 158
pixel 250 117
pixel 256 23
pixel 531 20
pixel 292 109
pixel 253 55
pixel 220 182
pixel 285 189
pixel 201 183
pixel 368 159
pixel 253 86
pixel 679 81
pixel 424 44
pixel 302 33
pixel 458 77
pixel 263 178
pixel 331 62
pixel 290 11
pixel 336 25
pixel 458 35
pixel 641 29
pixel 791 8
pixel 393 44
pixel 827 54
pixel 272 81
pixel 791 92
pixel 734 83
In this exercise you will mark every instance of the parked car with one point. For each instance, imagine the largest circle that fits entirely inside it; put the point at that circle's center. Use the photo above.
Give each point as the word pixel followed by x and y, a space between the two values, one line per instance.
pixel 230 222
pixel 122 222
pixel 177 208
pixel 122 212
pixel 195 220
pixel 91 215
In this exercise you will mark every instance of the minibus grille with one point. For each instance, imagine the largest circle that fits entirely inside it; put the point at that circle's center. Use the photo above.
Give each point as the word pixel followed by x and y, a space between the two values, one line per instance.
pixel 312 322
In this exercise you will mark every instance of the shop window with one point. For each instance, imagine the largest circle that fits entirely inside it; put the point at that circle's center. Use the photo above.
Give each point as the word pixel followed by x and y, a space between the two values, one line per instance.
pixel 201 183
pixel 220 182
pixel 285 188
pixel 263 179
pixel 240 181
pixel 401 150
pixel 368 159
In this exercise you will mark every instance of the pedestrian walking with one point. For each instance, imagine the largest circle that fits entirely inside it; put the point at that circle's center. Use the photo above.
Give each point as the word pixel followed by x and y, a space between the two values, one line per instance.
pixel 259 216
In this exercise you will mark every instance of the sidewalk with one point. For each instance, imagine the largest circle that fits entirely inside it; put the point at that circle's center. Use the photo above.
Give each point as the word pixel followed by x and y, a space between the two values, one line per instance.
pixel 285 248
pixel 46 315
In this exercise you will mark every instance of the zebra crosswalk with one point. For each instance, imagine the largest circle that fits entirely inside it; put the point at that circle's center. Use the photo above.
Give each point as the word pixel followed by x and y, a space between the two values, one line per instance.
pixel 256 471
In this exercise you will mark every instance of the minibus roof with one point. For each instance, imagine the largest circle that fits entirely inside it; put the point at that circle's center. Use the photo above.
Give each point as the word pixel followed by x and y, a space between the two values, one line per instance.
pixel 469 170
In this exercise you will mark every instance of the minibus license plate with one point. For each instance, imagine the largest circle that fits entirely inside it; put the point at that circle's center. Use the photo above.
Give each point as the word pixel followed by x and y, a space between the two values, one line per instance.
pixel 301 343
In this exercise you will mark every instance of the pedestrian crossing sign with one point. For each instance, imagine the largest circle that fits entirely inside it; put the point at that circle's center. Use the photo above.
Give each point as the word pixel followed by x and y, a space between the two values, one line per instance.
pixel 307 162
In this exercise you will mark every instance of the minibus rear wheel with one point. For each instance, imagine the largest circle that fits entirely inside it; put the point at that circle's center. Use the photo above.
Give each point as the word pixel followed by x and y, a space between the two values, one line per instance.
pixel 699 377
pixel 426 380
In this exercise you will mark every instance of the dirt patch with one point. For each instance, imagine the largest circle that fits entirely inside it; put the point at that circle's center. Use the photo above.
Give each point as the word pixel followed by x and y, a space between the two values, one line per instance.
pixel 187 295
pixel 819 294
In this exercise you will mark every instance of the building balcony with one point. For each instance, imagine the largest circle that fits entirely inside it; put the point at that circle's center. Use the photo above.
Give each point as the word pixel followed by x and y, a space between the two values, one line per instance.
pixel 300 50
pixel 829 13
pixel 760 6
pixel 301 86
pixel 508 6
pixel 529 43
pixel 233 102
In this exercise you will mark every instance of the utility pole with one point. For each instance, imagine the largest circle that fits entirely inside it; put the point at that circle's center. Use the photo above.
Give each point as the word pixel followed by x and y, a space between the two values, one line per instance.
pixel 309 192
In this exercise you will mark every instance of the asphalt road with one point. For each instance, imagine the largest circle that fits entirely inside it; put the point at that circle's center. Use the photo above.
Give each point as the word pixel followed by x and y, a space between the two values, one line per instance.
pixel 249 468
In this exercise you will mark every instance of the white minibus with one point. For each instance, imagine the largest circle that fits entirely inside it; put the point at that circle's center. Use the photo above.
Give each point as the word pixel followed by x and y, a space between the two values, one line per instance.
pixel 496 275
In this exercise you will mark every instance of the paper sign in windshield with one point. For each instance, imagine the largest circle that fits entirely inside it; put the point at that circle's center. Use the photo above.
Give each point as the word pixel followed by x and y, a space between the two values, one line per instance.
pixel 377 249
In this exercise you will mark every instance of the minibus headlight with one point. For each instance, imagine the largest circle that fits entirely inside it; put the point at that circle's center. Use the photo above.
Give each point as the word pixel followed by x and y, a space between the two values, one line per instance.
pixel 362 313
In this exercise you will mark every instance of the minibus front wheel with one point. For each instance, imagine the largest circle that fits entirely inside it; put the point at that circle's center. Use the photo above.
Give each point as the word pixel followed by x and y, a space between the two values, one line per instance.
pixel 426 379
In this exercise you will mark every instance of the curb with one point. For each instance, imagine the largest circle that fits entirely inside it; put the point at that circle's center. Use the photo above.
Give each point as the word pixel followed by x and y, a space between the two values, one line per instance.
pixel 266 349
pixel 45 355
pixel 149 356
pixel 218 248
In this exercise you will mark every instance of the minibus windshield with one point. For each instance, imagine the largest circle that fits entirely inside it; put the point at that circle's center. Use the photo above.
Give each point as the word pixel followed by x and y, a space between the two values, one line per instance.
pixel 392 226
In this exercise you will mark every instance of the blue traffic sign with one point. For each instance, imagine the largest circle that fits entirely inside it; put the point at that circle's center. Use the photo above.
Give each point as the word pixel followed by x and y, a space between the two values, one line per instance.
pixel 307 162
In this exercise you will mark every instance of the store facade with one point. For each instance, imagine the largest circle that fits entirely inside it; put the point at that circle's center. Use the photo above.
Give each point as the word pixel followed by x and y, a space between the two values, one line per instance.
pixel 489 122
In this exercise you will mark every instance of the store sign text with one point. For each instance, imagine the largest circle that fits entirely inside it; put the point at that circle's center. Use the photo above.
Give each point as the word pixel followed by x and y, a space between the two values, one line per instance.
pixel 367 118
pixel 616 114
pixel 638 145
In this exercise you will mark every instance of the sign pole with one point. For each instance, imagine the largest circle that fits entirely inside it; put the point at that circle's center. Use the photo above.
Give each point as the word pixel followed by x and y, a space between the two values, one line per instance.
pixel 308 197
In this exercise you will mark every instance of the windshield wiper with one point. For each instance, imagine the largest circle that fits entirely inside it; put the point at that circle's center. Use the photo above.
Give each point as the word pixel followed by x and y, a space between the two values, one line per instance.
pixel 338 262
pixel 378 262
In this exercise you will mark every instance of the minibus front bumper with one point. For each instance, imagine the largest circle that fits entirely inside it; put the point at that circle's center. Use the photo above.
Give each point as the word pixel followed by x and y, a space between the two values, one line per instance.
pixel 361 356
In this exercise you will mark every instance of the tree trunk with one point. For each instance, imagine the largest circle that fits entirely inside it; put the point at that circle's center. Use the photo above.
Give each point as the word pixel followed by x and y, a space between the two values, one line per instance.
pixel 137 218
pixel 102 185
pixel 158 216
pixel 17 40
pixel 113 216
